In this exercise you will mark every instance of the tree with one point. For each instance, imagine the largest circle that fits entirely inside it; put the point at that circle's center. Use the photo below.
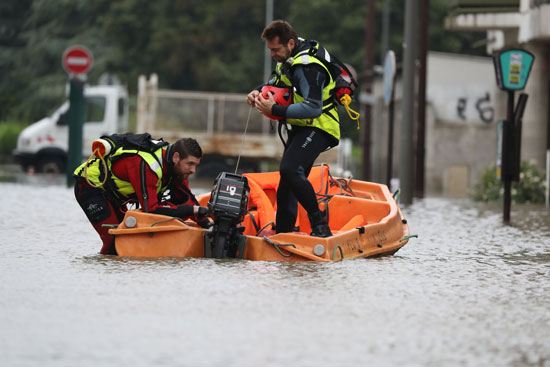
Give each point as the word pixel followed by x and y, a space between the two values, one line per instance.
pixel 207 45
pixel 32 57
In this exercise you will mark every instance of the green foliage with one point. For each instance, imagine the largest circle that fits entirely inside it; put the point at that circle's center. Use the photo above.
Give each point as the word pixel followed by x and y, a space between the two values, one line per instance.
pixel 531 186
pixel 30 52
pixel 529 189
pixel 210 45
pixel 440 39
pixel 8 136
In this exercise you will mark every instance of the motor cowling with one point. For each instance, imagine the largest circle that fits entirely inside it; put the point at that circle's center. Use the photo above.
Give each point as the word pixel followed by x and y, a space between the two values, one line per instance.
pixel 227 206
pixel 229 197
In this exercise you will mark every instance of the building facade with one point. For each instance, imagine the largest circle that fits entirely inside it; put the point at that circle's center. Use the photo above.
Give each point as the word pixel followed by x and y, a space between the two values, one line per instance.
pixel 517 24
pixel 463 105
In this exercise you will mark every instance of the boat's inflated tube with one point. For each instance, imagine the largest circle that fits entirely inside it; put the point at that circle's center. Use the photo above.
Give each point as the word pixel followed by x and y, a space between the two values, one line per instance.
pixel 227 206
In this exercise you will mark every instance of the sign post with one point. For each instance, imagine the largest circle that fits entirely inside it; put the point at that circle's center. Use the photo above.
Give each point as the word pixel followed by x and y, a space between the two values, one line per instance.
pixel 389 83
pixel 512 68
pixel 76 61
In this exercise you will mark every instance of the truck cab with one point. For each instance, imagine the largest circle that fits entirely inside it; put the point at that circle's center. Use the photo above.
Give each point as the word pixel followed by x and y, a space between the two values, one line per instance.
pixel 43 145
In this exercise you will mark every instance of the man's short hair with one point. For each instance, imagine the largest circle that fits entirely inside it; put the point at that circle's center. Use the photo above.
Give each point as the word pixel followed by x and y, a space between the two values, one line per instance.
pixel 281 29
pixel 186 147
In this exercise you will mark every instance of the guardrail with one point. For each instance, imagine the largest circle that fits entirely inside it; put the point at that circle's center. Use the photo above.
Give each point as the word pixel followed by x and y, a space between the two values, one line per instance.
pixel 217 121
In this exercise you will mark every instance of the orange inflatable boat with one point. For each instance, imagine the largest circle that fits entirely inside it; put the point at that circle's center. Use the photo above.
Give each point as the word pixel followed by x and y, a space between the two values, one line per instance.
pixel 364 218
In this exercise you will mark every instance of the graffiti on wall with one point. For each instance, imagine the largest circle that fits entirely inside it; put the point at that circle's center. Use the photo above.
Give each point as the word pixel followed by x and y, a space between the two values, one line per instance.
pixel 483 106
pixel 470 104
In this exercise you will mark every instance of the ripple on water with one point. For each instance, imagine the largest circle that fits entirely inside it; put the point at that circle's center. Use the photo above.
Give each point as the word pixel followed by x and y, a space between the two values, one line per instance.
pixel 468 291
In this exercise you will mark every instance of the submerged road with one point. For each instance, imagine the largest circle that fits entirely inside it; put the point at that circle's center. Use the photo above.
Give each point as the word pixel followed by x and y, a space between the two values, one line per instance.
pixel 469 291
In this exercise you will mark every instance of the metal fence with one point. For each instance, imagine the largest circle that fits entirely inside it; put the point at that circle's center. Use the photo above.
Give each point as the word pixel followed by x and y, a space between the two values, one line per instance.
pixel 218 121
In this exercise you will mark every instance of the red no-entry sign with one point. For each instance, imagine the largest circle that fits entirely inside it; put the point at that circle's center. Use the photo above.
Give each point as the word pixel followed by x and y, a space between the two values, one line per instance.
pixel 77 60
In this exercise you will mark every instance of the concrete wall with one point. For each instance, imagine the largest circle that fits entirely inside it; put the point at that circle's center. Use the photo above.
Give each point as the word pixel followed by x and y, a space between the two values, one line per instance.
pixel 533 145
pixel 527 29
pixel 463 107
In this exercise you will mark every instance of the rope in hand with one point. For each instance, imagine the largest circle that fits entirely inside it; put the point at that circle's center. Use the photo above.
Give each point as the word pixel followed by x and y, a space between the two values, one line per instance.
pixel 354 115
pixel 94 154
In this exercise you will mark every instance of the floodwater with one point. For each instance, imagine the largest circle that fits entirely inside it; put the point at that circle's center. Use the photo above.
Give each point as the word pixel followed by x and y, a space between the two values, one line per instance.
pixel 469 291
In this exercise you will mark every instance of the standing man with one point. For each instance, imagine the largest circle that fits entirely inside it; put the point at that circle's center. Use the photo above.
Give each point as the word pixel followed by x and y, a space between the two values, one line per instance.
pixel 312 120
pixel 143 176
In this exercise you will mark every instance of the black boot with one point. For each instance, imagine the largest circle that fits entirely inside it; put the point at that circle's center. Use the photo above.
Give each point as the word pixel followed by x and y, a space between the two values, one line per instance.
pixel 319 226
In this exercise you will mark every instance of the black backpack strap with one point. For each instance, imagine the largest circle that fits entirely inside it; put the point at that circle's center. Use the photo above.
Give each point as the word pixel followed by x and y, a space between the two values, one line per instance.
pixel 318 51
pixel 144 194
pixel 280 131
pixel 190 194
pixel 346 69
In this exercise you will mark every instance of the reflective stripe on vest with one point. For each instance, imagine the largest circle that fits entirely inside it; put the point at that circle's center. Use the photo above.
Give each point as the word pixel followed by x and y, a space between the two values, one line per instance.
pixel 328 120
pixel 123 187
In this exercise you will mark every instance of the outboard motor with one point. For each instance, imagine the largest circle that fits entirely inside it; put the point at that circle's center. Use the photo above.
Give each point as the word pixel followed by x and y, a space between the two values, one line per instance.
pixel 227 206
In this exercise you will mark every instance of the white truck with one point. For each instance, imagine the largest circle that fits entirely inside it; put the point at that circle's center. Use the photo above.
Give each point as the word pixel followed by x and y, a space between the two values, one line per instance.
pixel 43 145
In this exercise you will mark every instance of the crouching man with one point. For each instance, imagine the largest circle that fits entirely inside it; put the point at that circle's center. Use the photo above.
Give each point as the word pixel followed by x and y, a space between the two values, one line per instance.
pixel 157 178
